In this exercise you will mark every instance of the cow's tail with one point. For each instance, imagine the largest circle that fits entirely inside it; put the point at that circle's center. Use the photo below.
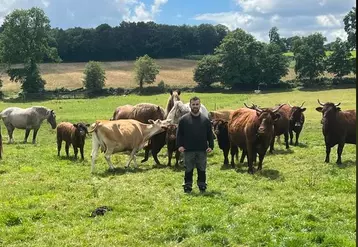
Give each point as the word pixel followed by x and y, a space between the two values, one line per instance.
pixel 93 127
pixel 1 146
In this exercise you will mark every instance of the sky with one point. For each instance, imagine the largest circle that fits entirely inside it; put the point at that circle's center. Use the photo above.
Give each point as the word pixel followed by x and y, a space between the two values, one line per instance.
pixel 257 17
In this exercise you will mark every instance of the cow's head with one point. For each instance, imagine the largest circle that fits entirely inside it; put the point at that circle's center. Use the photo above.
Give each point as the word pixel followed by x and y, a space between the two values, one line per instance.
pixel 219 126
pixel 81 129
pixel 328 110
pixel 267 118
pixel 296 114
pixel 171 132
pixel 51 119
pixel 162 124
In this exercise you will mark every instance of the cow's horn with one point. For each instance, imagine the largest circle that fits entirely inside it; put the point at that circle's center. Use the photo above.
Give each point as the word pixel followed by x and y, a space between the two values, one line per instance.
pixel 278 108
pixel 302 104
pixel 290 104
pixel 320 102
pixel 337 104
pixel 246 105
pixel 258 109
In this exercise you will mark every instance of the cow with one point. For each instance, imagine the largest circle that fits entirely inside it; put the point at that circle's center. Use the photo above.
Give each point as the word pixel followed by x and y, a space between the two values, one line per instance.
pixel 252 131
pixel 142 112
pixel 122 135
pixel 220 114
pixel 297 119
pixel 171 136
pixel 338 127
pixel 281 126
pixel 74 134
pixel 222 135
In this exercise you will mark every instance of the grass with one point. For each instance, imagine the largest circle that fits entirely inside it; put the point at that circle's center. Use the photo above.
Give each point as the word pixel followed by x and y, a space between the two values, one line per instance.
pixel 297 199
pixel 328 53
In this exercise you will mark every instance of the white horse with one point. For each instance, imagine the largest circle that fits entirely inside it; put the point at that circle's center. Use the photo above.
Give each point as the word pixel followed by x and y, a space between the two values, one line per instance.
pixel 28 119
pixel 179 109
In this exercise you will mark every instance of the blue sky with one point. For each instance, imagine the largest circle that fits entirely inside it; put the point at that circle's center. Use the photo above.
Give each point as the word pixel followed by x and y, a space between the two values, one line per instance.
pixel 291 17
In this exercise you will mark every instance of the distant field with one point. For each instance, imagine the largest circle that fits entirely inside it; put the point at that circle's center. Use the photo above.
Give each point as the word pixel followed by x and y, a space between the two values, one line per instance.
pixel 174 72
pixel 290 54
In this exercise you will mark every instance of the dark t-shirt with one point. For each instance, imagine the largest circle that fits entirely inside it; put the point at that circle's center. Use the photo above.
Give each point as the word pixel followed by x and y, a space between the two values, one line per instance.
pixel 194 133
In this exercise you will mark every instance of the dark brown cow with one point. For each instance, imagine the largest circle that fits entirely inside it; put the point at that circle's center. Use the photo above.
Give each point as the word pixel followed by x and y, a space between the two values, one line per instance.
pixel 222 135
pixel 338 127
pixel 297 119
pixel 171 136
pixel 281 126
pixel 253 131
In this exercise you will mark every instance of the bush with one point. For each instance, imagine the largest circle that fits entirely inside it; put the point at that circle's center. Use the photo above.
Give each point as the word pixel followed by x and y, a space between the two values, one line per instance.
pixel 94 76
pixel 207 71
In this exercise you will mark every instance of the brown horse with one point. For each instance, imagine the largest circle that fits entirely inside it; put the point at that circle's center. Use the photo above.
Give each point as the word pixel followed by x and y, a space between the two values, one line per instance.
pixel 174 96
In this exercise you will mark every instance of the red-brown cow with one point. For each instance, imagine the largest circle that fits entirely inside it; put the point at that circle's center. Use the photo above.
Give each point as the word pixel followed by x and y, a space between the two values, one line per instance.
pixel 253 131
pixel 297 119
pixel 338 127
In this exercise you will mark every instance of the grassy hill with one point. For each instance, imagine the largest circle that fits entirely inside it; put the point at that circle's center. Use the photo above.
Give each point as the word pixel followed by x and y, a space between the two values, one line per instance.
pixel 296 200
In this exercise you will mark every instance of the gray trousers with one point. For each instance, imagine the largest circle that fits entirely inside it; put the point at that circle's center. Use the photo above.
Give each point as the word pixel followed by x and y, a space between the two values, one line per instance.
pixel 191 160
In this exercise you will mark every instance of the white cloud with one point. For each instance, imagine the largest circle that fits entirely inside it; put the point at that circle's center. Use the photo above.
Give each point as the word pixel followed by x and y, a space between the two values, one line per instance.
pixel 328 21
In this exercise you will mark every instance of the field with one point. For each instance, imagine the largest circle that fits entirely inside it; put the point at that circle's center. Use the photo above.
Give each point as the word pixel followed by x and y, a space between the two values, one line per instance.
pixel 296 200
pixel 174 72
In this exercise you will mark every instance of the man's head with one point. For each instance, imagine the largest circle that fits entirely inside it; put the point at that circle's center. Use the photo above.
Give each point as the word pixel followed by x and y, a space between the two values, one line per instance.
pixel 195 105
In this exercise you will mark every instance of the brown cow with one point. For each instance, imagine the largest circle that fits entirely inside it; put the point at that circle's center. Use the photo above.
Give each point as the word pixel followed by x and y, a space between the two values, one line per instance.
pixel 74 134
pixel 297 119
pixel 122 135
pixel 338 127
pixel 253 131
pixel 122 112
pixel 220 114
pixel 171 137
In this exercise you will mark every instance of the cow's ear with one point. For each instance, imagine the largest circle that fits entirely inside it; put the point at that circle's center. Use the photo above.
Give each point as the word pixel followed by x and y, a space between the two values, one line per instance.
pixel 171 92
pixel 303 109
pixel 276 116
pixel 178 92
pixel 76 125
pixel 88 125
pixel 319 109
pixel 338 108
pixel 151 121
pixel 158 108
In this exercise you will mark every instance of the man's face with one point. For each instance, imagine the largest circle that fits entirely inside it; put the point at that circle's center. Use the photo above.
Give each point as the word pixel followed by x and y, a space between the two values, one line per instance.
pixel 195 106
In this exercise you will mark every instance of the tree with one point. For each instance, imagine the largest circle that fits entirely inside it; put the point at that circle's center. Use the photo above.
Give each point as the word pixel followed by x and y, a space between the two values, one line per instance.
pixel 273 63
pixel 94 76
pixel 25 40
pixel 145 70
pixel 240 56
pixel 339 62
pixel 275 38
pixel 309 54
pixel 207 71
pixel 350 27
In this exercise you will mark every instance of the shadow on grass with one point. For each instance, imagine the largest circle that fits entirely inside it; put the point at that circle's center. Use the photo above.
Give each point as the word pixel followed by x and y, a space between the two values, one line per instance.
pixel 269 173
pixel 301 145
pixel 347 163
pixel 208 193
pixel 281 151
pixel 2 172
pixel 72 158
pixel 122 170
pixel 226 167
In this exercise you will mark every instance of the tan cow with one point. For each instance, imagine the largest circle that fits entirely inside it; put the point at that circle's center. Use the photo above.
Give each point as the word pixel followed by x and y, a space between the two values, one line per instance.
pixel 122 135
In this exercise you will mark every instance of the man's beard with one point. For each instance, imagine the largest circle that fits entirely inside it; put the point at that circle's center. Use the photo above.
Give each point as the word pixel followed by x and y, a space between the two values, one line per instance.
pixel 195 110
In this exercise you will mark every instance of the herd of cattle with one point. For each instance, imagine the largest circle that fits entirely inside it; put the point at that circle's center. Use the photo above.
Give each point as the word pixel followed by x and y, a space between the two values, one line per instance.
pixel 131 128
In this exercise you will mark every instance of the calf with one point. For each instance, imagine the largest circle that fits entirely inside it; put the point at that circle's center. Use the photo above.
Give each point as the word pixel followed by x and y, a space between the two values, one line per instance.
pixel 74 134
pixel 297 120
pixel 222 134
pixel 338 127
pixel 171 136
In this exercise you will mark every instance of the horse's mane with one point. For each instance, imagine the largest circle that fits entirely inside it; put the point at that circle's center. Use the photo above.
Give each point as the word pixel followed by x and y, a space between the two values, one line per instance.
pixel 174 97
pixel 41 110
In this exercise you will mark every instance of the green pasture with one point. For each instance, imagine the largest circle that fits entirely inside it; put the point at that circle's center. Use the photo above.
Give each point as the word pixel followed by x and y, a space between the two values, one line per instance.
pixel 328 53
pixel 296 200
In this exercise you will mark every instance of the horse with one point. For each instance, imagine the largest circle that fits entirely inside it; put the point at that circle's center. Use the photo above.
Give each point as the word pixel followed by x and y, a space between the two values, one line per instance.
pixel 122 112
pixel 179 109
pixel 29 119
pixel 174 96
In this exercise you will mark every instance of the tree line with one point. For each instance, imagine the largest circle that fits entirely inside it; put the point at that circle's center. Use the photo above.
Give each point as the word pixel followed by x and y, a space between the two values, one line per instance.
pixel 234 58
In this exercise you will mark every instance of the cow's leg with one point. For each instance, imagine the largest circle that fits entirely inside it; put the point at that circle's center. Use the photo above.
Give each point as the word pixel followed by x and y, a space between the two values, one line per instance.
pixel 10 130
pixel 261 159
pixel 155 156
pixel 177 156
pixel 95 147
pixel 250 159
pixel 107 156
pixel 226 154
pixel 59 145
pixel 297 135
pixel 291 136
pixel 243 155
pixel 81 150
pixel 131 157
pixel 234 152
pixel 27 132
pixel 339 152
pixel 286 139
pixel 75 150
pixel 170 155
pixel 34 135
pixel 67 147
pixel 272 145
pixel 146 153
pixel 328 151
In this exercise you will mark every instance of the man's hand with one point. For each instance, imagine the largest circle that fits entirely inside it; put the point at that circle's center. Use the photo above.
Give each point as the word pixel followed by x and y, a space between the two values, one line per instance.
pixel 181 149
pixel 208 150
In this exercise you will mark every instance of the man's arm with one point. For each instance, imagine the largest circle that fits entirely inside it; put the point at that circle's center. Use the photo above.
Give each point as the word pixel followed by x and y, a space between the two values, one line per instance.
pixel 180 134
pixel 210 135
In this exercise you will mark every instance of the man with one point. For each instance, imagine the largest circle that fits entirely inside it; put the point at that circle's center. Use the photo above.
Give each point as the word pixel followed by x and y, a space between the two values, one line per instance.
pixel 195 139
